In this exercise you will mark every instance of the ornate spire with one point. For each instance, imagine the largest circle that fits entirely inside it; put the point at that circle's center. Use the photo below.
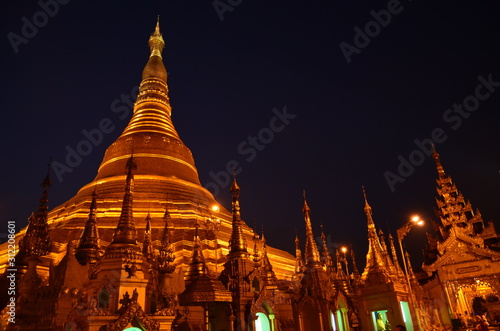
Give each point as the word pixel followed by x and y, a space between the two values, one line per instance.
pixel 395 260
pixel 256 256
pixel 237 245
pixel 453 209
pixel 147 247
pixel 326 258
pixel 155 69
pixel 36 242
pixel 381 237
pixel 88 250
pixel 197 265
pixel 201 288
pixel 125 232
pixel 166 229
pixel 166 256
pixel 376 258
pixel 355 270
pixel 413 278
pixel 439 167
pixel 299 260
pixel 151 129
pixel 368 210
pixel 268 273
pixel 341 274
pixel 156 42
pixel 312 254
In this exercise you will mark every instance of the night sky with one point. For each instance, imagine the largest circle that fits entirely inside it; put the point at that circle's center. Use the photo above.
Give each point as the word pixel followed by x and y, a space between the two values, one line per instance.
pixel 268 85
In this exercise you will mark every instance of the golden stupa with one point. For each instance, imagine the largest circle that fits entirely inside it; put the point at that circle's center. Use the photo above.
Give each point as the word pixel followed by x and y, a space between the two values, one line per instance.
pixel 165 181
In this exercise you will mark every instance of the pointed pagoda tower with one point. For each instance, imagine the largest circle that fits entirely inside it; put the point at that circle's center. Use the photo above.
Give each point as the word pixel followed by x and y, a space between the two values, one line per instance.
pixel 379 267
pixel 316 293
pixel 464 250
pixel 313 259
pixel 381 290
pixel 28 264
pixel 89 250
pixel 238 267
pixel 166 168
pixel 204 290
pixel 454 211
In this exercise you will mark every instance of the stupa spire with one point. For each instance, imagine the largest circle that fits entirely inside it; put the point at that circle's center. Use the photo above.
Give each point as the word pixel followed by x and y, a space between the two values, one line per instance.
pixel 355 270
pixel 268 273
pixel 395 260
pixel 312 253
pixel 368 210
pixel 437 159
pixel 197 265
pixel 125 232
pixel 299 260
pixel 88 250
pixel 156 42
pixel 166 256
pixel 36 242
pixel 376 262
pixel 147 246
pixel 237 244
pixel 325 253
pixel 150 129
pixel 256 256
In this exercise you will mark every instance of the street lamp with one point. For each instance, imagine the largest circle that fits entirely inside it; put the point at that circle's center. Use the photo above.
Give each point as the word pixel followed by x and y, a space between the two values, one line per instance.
pixel 402 232
pixel 343 249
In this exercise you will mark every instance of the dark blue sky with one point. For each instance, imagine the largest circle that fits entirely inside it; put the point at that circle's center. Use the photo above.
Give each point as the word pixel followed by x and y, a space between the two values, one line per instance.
pixel 352 120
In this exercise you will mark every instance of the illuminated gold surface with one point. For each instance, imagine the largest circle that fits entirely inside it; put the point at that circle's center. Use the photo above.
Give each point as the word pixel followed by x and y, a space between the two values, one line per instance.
pixel 166 177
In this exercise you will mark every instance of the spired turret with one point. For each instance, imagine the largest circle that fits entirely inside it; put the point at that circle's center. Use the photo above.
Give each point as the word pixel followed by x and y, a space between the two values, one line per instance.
pixel 312 253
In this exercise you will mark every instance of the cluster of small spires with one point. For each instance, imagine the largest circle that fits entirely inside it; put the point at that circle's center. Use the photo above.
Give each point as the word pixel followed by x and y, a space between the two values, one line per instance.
pixel 89 250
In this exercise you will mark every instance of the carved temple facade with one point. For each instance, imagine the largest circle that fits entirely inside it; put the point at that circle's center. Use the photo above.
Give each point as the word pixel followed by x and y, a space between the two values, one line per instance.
pixel 145 247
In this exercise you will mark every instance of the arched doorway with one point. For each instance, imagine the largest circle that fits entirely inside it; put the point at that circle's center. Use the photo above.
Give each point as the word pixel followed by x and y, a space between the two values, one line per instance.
pixel 262 323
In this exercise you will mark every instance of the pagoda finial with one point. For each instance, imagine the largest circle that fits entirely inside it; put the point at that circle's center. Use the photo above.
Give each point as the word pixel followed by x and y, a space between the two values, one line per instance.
pixel 264 244
pixel 88 250
pixel 235 190
pixel 368 208
pixel 125 232
pixel 156 42
pixel 306 206
pixel 312 253
pixel 256 257
pixel 439 166
pixel 237 243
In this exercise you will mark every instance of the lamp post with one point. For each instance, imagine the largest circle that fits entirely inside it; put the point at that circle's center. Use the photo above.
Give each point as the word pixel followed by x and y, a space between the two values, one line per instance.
pixel 402 232
pixel 216 223
pixel 343 249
